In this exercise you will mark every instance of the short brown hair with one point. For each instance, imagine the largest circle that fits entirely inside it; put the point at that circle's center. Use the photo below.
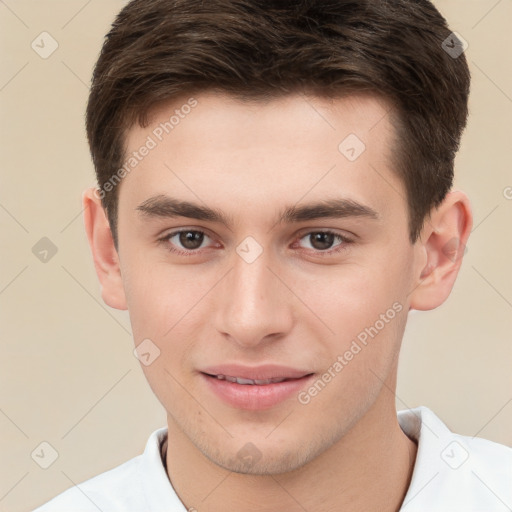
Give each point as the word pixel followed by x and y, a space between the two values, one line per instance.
pixel 259 49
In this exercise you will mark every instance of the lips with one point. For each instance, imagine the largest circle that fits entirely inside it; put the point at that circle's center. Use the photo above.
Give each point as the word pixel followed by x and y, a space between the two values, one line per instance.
pixel 266 372
pixel 252 382
pixel 254 388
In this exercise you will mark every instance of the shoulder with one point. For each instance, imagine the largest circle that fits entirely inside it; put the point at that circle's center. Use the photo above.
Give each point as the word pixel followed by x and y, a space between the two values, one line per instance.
pixel 453 471
pixel 110 490
pixel 139 484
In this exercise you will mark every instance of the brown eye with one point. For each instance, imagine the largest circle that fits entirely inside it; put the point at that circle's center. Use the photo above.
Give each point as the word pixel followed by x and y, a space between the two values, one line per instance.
pixel 322 241
pixel 190 239
pixel 185 242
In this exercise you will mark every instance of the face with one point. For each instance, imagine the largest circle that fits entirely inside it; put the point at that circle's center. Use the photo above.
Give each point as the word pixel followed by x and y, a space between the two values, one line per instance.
pixel 263 242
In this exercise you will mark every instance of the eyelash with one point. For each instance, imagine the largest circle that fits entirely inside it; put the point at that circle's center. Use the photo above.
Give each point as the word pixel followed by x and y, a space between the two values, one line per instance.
pixel 193 252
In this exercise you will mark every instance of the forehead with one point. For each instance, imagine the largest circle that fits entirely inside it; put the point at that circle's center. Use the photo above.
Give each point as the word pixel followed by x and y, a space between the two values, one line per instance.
pixel 238 155
pixel 259 120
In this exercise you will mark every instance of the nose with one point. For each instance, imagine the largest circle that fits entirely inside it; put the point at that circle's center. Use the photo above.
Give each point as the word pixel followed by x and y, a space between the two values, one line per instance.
pixel 254 305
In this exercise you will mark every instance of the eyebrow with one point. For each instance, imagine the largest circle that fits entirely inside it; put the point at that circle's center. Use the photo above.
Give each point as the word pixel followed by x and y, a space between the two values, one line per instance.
pixel 164 206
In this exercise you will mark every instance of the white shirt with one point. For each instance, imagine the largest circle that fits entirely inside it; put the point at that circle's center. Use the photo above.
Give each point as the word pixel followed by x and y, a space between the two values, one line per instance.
pixel 452 473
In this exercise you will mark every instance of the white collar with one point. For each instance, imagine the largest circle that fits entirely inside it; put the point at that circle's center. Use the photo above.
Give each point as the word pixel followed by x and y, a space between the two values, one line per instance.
pixel 451 472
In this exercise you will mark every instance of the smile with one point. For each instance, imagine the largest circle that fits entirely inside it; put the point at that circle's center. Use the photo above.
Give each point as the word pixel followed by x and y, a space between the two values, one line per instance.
pixel 252 382
pixel 258 393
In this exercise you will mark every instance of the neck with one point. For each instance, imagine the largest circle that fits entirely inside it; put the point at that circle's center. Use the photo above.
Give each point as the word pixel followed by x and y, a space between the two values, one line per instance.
pixel 370 468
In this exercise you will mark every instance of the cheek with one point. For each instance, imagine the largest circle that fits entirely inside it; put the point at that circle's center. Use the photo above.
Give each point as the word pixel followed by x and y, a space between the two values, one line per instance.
pixel 166 307
pixel 365 309
pixel 348 298
pixel 157 295
pixel 358 365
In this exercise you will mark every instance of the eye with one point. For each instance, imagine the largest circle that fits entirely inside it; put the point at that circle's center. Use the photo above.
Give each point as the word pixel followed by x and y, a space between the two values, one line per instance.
pixel 322 241
pixel 187 241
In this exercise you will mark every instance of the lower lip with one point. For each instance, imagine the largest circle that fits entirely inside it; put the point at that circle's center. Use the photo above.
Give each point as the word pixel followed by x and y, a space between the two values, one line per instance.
pixel 255 397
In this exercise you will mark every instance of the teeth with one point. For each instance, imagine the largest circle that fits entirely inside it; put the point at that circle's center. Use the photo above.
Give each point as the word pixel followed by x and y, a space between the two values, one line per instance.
pixel 259 382
pixel 245 381
pixel 262 382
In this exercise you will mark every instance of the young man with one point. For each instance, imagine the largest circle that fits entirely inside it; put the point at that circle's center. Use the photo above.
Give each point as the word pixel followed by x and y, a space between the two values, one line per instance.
pixel 274 198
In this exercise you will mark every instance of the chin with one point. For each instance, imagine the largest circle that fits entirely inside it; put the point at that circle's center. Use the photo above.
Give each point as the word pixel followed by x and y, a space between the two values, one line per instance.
pixel 262 457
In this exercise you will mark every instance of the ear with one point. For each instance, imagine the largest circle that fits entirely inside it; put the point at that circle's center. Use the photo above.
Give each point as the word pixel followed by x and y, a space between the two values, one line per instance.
pixel 442 245
pixel 106 259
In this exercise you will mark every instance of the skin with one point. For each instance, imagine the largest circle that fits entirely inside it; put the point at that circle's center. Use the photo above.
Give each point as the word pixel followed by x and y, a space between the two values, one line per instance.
pixel 291 306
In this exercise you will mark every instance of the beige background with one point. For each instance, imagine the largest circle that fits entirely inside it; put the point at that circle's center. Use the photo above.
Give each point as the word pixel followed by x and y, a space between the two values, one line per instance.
pixel 68 374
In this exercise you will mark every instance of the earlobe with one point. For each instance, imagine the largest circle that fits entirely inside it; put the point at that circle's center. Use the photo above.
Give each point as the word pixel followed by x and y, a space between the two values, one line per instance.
pixel 105 256
pixel 443 240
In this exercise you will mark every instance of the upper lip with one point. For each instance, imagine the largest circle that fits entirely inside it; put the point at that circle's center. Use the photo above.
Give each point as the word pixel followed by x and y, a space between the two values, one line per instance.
pixel 263 372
